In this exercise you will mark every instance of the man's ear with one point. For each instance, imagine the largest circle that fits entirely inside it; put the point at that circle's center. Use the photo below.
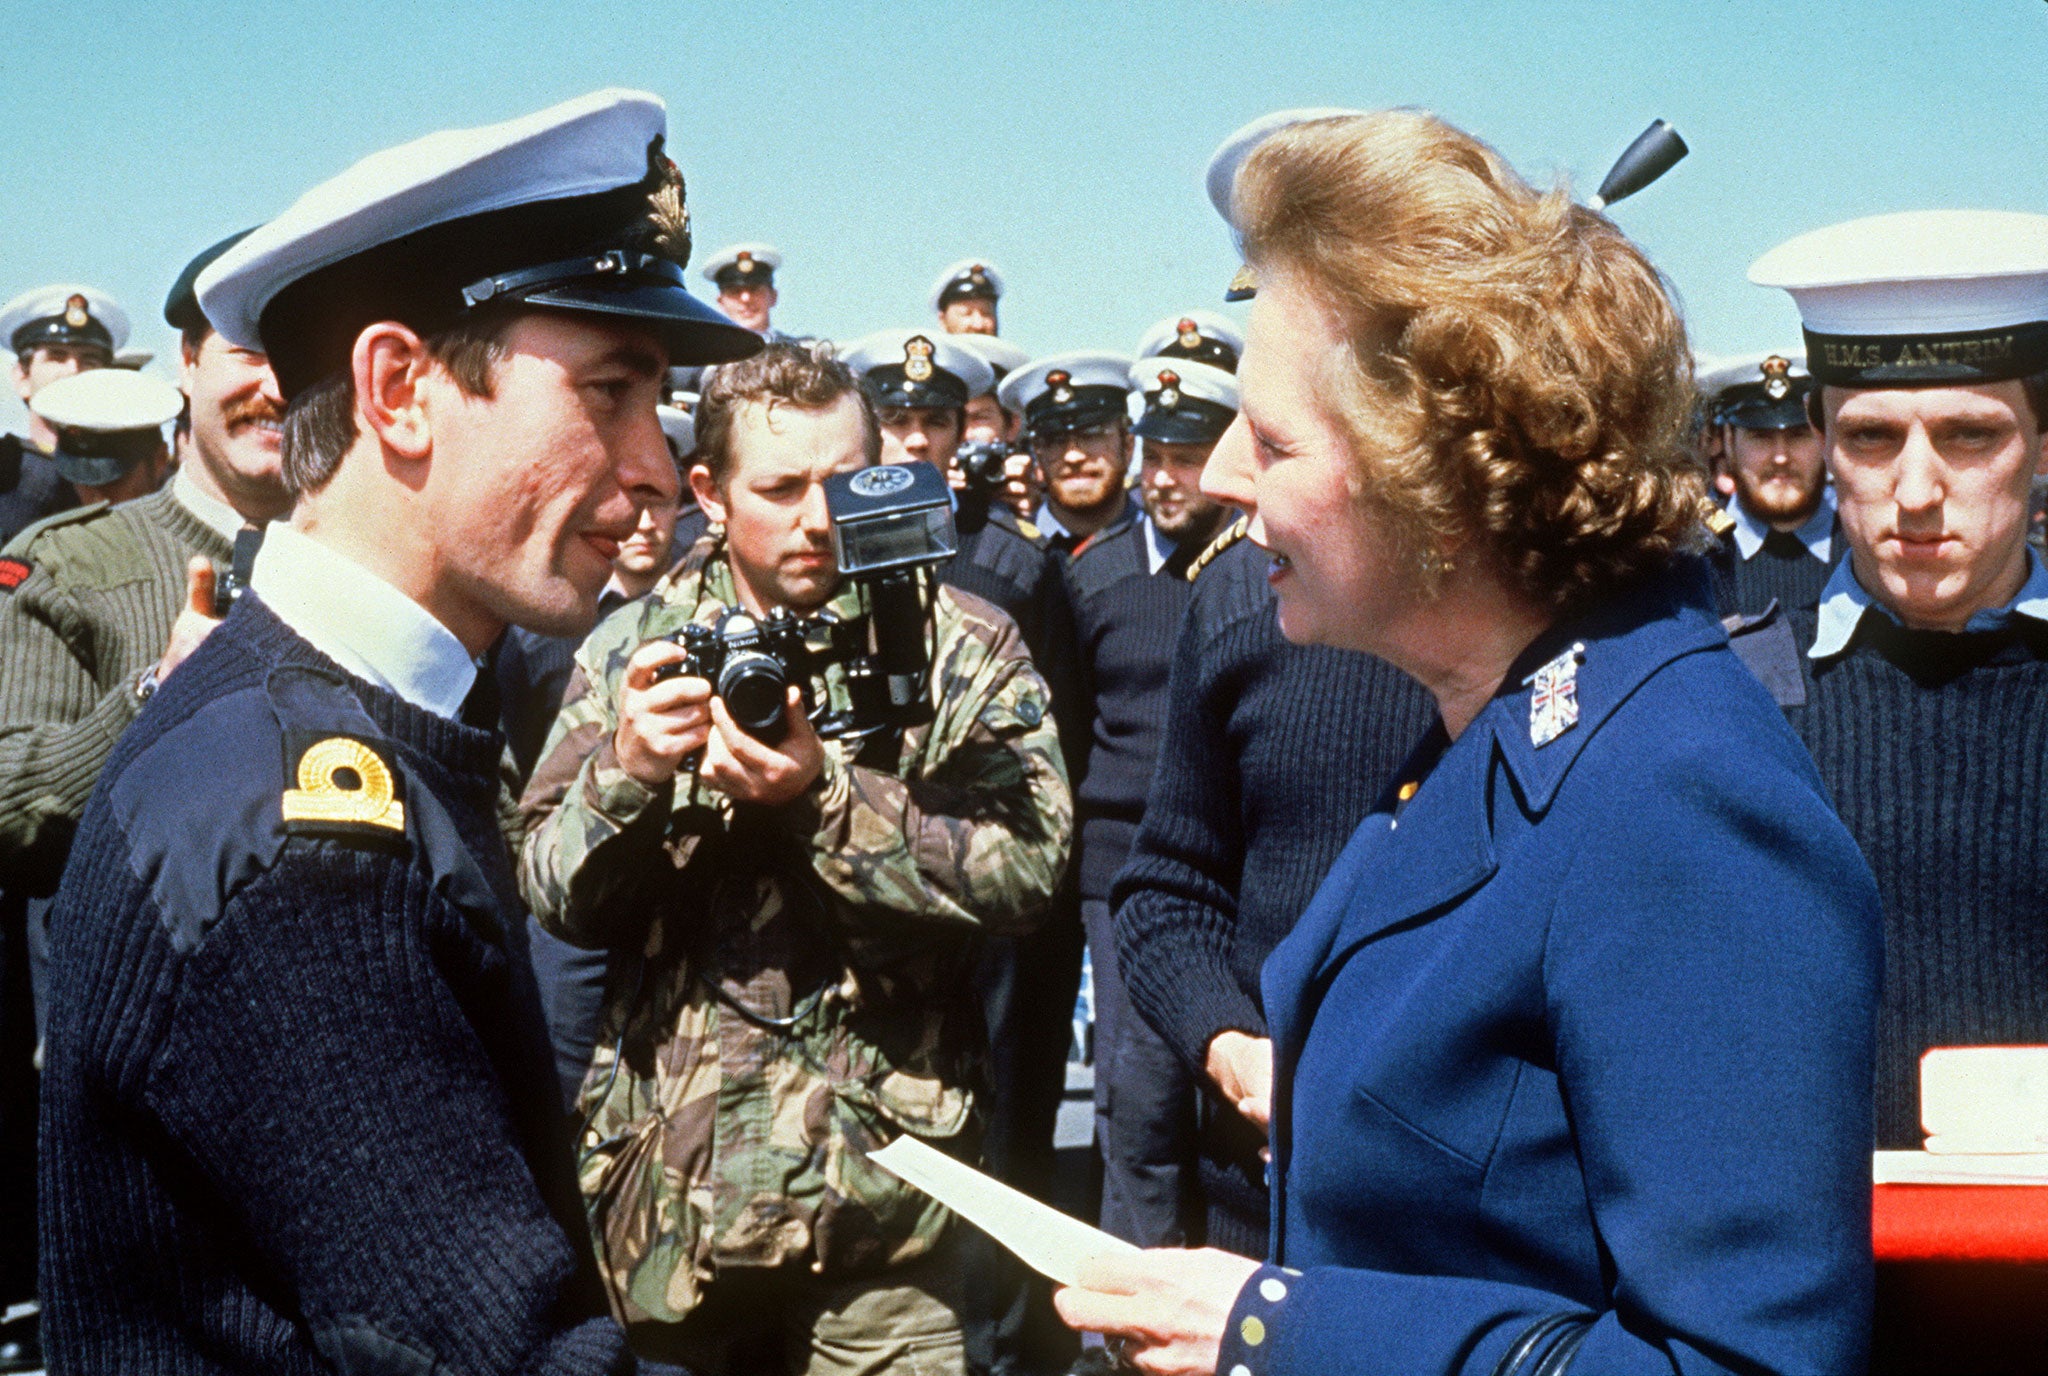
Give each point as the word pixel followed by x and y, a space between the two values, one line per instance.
pixel 391 363
pixel 20 378
pixel 188 363
pixel 706 490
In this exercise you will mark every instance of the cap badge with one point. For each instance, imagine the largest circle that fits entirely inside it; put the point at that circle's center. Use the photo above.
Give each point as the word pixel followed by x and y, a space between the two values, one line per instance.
pixel 1777 377
pixel 977 277
pixel 667 227
pixel 1554 702
pixel 1169 390
pixel 917 359
pixel 1190 337
pixel 76 315
pixel 745 262
pixel 1061 382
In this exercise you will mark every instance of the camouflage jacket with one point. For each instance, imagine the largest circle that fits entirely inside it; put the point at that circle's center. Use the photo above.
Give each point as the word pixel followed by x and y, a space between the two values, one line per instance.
pixel 804 987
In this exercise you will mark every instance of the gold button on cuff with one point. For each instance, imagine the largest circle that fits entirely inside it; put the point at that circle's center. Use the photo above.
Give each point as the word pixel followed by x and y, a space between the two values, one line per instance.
pixel 1253 1331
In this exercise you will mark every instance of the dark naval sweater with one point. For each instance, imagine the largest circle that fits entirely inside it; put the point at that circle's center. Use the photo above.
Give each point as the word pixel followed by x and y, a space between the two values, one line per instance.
pixel 1935 747
pixel 1784 571
pixel 1272 754
pixel 298 1114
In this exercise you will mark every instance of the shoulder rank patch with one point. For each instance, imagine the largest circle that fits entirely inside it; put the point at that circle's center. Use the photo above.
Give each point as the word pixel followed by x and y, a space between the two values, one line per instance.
pixel 1030 531
pixel 344 787
pixel 14 572
pixel 1231 535
pixel 1717 519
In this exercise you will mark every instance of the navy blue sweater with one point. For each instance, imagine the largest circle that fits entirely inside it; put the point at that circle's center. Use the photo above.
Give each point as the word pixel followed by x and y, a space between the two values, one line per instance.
pixel 1272 755
pixel 298 1110
pixel 1935 747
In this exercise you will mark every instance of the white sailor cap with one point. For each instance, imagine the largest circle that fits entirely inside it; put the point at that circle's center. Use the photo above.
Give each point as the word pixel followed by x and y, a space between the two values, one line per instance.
pixel 1186 402
pixel 970 277
pixel 917 367
pixel 107 420
pixel 1224 163
pixel 1069 391
pixel 1759 391
pixel 1002 357
pixel 574 208
pixel 680 427
pixel 743 265
pixel 66 313
pixel 1920 298
pixel 1203 336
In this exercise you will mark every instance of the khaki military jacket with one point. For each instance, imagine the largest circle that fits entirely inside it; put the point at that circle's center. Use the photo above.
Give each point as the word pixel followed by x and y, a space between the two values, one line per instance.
pixel 801 990
pixel 87 598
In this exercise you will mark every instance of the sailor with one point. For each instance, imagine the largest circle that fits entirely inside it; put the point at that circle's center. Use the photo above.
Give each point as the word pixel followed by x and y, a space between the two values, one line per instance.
pixel 917 382
pixel 1077 422
pixel 1778 541
pixel 1924 673
pixel 54 332
pixel 292 863
pixel 109 425
pixel 989 425
pixel 745 277
pixel 965 297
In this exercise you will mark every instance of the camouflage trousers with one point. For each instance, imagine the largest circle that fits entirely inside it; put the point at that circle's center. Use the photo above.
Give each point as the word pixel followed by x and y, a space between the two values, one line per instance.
pixel 904 1321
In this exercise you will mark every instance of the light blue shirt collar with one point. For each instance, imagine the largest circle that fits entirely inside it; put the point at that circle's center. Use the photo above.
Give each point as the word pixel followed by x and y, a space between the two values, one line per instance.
pixel 1817 534
pixel 1844 601
pixel 1158 549
pixel 1049 524
pixel 361 622
pixel 224 519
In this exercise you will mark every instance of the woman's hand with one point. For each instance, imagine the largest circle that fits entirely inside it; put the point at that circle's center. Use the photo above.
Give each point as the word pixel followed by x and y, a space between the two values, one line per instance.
pixel 1163 1310
pixel 1241 1066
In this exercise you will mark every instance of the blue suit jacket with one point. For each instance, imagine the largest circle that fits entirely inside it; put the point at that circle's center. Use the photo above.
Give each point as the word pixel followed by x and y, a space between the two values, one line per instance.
pixel 1586 1031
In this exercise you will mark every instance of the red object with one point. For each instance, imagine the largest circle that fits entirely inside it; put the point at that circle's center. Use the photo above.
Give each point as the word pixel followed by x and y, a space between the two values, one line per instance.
pixel 1996 1223
pixel 13 573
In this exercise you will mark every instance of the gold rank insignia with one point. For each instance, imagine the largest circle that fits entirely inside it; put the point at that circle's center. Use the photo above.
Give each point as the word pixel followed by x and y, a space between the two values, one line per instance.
pixel 1169 390
pixel 76 313
pixel 1715 517
pixel 917 359
pixel 1231 535
pixel 1060 381
pixel 1777 377
pixel 1243 287
pixel 1190 337
pixel 344 782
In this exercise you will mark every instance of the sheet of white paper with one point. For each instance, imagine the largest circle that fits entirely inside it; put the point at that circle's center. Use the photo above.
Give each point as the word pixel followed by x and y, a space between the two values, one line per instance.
pixel 1043 1238
pixel 1932 1168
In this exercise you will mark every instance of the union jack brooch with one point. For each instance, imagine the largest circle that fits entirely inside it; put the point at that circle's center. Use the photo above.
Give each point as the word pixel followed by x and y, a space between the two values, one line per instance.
pixel 1554 702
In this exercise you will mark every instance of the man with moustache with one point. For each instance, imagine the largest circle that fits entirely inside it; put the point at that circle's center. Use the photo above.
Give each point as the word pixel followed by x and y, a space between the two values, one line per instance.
pixel 1921 682
pixel 1777 541
pixel 98 605
pixel 1130 589
pixel 54 332
pixel 1077 423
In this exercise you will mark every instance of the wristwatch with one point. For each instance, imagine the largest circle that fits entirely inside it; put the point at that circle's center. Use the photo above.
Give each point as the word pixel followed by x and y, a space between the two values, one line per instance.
pixel 146 685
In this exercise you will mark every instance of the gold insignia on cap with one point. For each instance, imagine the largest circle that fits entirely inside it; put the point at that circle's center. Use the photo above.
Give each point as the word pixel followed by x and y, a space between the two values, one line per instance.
pixel 745 262
pixel 1169 390
pixel 667 226
pixel 1060 380
pixel 1777 377
pixel 1190 336
pixel 917 358
pixel 343 780
pixel 76 314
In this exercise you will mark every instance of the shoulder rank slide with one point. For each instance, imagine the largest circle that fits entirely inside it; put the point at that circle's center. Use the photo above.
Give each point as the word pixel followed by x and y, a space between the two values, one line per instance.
pixel 1231 535
pixel 1717 519
pixel 13 573
pixel 345 787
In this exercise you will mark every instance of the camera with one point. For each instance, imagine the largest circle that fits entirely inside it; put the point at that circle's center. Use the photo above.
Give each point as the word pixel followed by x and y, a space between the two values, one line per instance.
pixel 983 467
pixel 750 662
pixel 892 525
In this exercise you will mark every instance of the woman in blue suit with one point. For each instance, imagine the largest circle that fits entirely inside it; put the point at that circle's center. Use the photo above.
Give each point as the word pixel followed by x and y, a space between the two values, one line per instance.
pixel 1571 1054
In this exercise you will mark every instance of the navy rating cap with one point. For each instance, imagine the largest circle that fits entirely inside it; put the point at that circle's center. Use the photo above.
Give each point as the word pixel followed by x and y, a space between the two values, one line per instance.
pixel 743 265
pixel 1758 391
pixel 575 208
pixel 970 278
pixel 181 307
pixel 1203 336
pixel 107 420
pixel 1917 299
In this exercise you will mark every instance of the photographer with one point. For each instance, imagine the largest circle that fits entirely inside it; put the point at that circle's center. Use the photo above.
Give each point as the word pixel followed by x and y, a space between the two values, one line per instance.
pixel 801 918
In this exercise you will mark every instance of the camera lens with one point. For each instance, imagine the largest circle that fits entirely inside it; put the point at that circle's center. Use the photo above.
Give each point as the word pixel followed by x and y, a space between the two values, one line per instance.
pixel 754 688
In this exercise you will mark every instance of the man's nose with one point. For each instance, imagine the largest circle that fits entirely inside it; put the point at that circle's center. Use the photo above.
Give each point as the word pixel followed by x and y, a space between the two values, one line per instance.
pixel 1920 486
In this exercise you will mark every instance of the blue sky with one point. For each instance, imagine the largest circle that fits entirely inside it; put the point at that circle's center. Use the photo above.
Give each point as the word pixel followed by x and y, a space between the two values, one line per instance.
pixel 875 143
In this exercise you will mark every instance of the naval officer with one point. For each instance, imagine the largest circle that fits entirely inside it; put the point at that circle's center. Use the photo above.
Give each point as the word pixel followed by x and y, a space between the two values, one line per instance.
pixel 53 332
pixel 292 863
